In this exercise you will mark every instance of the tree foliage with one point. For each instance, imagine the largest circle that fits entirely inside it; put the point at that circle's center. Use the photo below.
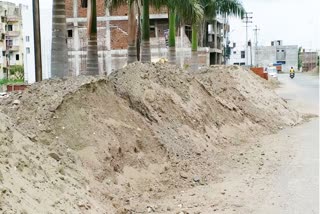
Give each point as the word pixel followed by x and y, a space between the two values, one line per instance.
pixel 16 72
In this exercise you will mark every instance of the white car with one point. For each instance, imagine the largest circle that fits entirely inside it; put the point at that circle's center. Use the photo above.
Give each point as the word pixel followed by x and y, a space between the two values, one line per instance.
pixel 272 71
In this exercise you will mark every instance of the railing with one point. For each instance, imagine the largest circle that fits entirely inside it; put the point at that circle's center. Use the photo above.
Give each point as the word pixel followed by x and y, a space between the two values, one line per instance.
pixel 13 18
pixel 13 33
pixel 14 48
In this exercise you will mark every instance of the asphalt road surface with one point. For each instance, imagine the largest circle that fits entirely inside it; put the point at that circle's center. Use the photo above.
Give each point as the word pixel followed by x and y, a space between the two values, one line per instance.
pixel 297 182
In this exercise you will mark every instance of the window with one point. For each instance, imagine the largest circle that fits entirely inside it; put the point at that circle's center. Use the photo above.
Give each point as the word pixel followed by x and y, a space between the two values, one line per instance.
pixel 28 50
pixel 152 32
pixel 282 62
pixel 17 57
pixel 70 33
pixel 282 50
pixel 9 43
pixel 27 38
pixel 234 52
pixel 3 53
pixel 9 27
pixel 278 51
pixel 243 54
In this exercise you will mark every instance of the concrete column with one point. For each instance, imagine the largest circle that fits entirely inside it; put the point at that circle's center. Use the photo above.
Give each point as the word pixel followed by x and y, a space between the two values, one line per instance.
pixel 76 41
pixel 181 55
pixel 108 57
pixel 215 28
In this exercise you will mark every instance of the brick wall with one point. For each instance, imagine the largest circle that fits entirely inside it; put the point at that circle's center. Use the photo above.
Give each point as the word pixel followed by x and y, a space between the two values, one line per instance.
pixel 121 11
pixel 82 12
pixel 119 34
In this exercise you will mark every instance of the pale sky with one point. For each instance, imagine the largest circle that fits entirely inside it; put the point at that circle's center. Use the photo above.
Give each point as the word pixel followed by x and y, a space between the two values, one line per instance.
pixel 295 22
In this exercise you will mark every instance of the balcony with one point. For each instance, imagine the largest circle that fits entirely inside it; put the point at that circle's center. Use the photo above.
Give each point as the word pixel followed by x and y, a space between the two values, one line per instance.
pixel 13 48
pixel 12 33
pixel 13 19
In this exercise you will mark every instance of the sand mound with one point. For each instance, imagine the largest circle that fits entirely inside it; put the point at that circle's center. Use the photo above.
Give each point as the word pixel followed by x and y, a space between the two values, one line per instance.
pixel 109 144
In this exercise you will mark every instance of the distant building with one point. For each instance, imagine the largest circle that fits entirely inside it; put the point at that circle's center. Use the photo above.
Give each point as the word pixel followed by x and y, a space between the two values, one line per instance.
pixel 277 53
pixel 113 33
pixel 11 37
pixel 29 63
pixel 309 60
pixel 237 55
pixel 263 56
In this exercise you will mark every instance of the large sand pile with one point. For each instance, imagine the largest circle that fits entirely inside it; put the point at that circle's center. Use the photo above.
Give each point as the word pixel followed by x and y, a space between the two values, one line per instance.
pixel 110 145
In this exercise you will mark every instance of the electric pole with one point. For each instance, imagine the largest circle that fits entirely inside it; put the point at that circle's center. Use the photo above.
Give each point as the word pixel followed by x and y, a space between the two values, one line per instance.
pixel 256 45
pixel 247 19
pixel 37 40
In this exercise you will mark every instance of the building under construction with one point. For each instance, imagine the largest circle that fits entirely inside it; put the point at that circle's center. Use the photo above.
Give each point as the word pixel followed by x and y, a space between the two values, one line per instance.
pixel 113 32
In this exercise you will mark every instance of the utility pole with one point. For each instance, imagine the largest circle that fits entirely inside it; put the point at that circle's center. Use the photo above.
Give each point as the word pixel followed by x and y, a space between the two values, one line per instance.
pixel 37 40
pixel 256 45
pixel 247 19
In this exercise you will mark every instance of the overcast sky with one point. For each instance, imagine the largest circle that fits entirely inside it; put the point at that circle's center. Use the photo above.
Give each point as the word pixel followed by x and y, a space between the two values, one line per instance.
pixel 295 22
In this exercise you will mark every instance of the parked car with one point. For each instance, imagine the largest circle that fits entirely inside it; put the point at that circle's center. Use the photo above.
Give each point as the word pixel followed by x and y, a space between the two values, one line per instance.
pixel 272 71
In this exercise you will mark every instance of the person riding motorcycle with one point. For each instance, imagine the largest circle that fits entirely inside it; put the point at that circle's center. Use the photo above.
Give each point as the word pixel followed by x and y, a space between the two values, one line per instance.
pixel 291 70
pixel 291 73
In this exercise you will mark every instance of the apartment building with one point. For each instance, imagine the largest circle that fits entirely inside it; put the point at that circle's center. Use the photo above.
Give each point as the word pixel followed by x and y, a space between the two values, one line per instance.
pixel 112 38
pixel 11 37
pixel 278 52
pixel 263 56
pixel 309 60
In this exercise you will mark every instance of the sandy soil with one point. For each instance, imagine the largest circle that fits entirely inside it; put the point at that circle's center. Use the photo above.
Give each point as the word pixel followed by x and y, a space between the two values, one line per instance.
pixel 149 138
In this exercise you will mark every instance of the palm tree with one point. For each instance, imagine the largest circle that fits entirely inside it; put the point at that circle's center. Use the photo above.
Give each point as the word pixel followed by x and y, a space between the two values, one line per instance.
pixel 132 32
pixel 186 10
pixel 92 48
pixel 211 9
pixel 59 50
pixel 172 33
pixel 145 43
pixel 132 26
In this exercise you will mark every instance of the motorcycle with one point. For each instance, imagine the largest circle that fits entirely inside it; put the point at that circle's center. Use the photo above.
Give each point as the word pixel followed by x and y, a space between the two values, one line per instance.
pixel 291 75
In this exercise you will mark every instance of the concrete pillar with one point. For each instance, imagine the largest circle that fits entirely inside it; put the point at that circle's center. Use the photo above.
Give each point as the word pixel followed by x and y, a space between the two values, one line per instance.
pixel 181 55
pixel 76 41
pixel 215 45
pixel 108 57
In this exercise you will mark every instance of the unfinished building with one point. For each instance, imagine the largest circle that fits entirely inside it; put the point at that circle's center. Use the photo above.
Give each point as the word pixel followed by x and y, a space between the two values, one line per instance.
pixel 112 38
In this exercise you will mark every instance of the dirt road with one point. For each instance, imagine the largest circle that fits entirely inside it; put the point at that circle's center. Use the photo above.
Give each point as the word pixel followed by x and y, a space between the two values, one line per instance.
pixel 275 174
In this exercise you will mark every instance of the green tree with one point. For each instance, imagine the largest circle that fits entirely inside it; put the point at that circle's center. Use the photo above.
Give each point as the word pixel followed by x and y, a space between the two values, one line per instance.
pixel 299 58
pixel 59 49
pixel 16 72
pixel 211 9
pixel 92 48
pixel 133 28
pixel 145 40
pixel 132 25
pixel 186 10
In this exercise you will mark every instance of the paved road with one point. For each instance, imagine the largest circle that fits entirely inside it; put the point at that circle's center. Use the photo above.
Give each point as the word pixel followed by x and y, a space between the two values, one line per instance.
pixel 302 91
pixel 296 185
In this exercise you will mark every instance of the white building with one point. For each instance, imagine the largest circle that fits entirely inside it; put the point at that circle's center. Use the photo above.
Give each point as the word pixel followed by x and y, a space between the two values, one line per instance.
pixel 29 64
pixel 263 56
pixel 29 61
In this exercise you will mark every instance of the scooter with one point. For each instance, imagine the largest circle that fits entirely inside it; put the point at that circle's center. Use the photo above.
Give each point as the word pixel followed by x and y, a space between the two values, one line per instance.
pixel 291 75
